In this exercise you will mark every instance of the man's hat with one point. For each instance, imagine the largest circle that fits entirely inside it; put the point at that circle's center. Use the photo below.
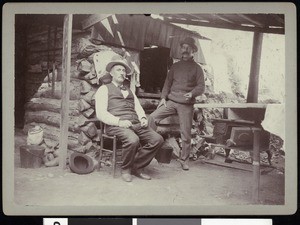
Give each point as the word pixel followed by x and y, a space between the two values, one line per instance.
pixel 191 42
pixel 118 60
pixel 80 163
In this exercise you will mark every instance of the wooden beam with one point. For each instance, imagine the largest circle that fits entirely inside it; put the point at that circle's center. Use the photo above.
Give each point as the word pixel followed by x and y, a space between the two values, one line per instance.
pixel 48 58
pixel 196 16
pixel 278 19
pixel 65 89
pixel 252 96
pixel 45 50
pixel 54 74
pixel 250 20
pixel 215 16
pixel 231 166
pixel 223 18
pixel 230 105
pixel 227 26
pixel 92 19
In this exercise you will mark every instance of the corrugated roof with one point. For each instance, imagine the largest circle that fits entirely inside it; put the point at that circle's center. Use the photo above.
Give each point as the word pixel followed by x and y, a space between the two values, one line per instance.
pixel 138 31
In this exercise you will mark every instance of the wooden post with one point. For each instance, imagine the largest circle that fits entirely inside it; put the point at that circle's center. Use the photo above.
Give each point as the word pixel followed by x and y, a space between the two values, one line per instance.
pixel 66 57
pixel 48 50
pixel 53 79
pixel 252 96
pixel 256 165
pixel 53 62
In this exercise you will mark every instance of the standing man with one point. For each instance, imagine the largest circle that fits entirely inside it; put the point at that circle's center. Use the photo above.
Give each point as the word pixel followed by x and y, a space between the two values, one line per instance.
pixel 185 81
pixel 119 108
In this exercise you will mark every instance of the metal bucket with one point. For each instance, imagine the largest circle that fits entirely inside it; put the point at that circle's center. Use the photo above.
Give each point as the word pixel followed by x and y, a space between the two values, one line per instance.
pixel 31 156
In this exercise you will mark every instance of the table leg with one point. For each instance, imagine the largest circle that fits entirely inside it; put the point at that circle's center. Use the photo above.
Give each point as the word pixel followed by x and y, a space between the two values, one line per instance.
pixel 256 165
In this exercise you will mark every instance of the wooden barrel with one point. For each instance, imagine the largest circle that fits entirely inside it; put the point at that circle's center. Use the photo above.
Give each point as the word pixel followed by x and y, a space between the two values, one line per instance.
pixel 31 156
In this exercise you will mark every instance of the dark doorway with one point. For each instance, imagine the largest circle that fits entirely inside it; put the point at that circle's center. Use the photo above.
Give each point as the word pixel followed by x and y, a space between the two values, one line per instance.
pixel 154 68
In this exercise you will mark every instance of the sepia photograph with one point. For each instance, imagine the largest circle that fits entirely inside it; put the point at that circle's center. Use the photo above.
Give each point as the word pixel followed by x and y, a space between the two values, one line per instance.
pixel 177 111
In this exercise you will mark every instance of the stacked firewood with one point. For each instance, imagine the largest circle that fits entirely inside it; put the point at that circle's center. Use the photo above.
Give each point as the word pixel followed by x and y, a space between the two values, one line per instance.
pixel 43 84
pixel 90 81
pixel 44 105
pixel 88 134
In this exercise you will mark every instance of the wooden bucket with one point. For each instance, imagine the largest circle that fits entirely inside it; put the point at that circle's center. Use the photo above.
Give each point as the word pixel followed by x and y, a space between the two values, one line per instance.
pixel 164 155
pixel 31 156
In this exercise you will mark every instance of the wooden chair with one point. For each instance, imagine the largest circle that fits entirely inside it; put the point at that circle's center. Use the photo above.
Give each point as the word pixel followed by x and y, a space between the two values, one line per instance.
pixel 111 146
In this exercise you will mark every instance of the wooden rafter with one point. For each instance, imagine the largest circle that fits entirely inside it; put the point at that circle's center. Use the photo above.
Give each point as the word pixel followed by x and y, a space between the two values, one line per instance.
pixel 278 19
pixel 223 18
pixel 259 24
pixel 231 21
pixel 227 26
pixel 196 16
pixel 93 19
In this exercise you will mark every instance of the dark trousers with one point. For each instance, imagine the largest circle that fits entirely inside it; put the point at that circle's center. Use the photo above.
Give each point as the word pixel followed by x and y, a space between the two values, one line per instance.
pixel 185 115
pixel 133 156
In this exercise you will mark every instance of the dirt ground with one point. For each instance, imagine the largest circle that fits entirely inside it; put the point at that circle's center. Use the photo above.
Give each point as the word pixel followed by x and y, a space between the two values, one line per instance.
pixel 203 184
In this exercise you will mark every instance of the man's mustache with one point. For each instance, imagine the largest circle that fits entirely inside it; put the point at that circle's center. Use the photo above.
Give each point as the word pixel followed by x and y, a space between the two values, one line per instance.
pixel 185 53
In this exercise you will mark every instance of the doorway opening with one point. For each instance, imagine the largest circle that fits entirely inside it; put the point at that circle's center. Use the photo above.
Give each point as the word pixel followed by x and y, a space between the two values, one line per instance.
pixel 154 65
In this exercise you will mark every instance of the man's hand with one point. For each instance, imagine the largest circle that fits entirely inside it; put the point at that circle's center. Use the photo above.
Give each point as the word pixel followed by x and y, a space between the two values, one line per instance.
pixel 125 123
pixel 188 96
pixel 144 122
pixel 162 102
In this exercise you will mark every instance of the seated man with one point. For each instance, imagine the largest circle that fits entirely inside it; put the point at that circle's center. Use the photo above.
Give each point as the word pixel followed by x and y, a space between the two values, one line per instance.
pixel 119 108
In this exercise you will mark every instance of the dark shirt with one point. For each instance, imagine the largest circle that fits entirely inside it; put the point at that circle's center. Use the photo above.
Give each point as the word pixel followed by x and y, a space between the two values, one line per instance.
pixel 184 77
